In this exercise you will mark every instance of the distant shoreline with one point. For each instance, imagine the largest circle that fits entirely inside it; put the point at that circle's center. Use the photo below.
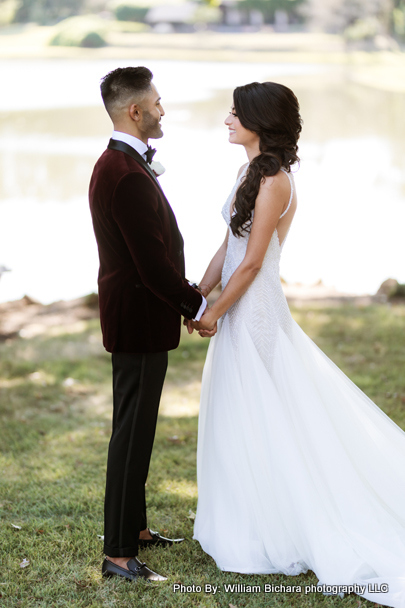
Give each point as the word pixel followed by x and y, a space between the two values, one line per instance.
pixel 382 69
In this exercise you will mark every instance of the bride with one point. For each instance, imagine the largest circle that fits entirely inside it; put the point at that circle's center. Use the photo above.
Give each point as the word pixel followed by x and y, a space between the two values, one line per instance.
pixel 297 468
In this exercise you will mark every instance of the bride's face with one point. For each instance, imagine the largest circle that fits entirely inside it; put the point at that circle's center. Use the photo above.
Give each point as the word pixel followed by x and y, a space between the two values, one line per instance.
pixel 237 133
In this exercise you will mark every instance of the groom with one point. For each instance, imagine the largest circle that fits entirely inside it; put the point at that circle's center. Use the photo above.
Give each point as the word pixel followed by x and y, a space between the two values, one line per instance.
pixel 142 295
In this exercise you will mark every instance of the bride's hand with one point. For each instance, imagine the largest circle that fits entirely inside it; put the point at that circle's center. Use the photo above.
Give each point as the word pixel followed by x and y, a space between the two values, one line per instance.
pixel 207 321
pixel 205 333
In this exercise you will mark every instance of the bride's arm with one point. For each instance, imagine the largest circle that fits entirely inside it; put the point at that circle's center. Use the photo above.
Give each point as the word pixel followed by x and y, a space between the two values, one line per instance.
pixel 268 208
pixel 212 275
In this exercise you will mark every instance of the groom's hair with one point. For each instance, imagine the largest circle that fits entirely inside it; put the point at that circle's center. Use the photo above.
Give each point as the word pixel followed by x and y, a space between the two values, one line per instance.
pixel 123 86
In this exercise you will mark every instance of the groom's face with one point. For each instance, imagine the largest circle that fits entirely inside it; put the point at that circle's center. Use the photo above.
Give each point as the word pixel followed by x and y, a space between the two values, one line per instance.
pixel 152 112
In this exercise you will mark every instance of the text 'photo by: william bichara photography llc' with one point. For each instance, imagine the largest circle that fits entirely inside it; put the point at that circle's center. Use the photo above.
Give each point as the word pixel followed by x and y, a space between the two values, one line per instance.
pixel 210 589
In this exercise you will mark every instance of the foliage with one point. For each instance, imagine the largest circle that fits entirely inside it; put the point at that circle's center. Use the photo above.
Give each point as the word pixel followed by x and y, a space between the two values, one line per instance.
pixel 8 11
pixel 128 27
pixel 136 11
pixel 398 18
pixel 55 412
pixel 87 31
pixel 131 11
pixel 337 15
pixel 363 29
pixel 397 292
pixel 207 14
pixel 47 11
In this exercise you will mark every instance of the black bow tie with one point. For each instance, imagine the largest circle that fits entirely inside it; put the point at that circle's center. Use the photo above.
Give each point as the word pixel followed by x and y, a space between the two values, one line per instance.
pixel 150 153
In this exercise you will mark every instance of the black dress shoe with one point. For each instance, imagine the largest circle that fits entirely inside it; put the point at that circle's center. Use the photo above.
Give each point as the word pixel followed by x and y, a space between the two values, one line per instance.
pixel 157 541
pixel 136 570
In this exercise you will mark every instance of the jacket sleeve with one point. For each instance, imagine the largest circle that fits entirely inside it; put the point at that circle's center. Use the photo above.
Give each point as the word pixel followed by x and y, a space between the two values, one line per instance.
pixel 135 207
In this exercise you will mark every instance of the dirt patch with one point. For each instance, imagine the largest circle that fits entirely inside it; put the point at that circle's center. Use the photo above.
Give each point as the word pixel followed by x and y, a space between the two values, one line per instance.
pixel 26 318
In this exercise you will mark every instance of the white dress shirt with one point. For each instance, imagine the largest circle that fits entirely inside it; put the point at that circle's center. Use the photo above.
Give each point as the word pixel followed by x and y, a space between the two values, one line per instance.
pixel 141 148
pixel 132 141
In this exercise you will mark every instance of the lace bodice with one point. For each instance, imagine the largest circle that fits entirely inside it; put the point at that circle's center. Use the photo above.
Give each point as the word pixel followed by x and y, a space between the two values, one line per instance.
pixel 263 307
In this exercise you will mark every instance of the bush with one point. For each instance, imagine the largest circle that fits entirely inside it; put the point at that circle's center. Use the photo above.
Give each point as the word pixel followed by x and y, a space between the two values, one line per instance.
pixel 84 31
pixel 128 11
pixel 363 29
pixel 398 292
pixel 206 14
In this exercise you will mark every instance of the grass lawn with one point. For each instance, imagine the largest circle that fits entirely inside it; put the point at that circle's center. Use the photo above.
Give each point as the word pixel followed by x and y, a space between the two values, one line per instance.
pixel 55 411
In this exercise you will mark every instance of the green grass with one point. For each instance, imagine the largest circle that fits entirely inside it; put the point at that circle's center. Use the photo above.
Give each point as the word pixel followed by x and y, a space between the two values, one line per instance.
pixel 54 435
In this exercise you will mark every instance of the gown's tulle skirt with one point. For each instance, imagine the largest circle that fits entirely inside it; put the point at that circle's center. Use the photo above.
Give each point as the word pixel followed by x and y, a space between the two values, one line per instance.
pixel 298 469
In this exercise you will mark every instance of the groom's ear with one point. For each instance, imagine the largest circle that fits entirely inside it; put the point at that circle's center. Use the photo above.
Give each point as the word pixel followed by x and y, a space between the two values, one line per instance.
pixel 135 112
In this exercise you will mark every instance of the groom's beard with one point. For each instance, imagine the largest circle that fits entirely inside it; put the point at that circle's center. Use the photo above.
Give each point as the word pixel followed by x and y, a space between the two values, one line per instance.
pixel 151 126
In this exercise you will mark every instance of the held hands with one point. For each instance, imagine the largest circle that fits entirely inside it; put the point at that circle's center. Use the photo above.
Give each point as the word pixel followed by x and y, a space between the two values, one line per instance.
pixel 206 326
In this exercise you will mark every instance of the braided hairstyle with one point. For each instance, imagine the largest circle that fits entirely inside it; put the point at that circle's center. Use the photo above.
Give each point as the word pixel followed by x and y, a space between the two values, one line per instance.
pixel 272 111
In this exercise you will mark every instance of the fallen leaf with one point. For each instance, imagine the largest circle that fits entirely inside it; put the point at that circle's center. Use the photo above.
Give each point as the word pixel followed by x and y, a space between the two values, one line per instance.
pixel 191 514
pixel 81 584
pixel 39 531
pixel 25 563
pixel 16 527
pixel 232 606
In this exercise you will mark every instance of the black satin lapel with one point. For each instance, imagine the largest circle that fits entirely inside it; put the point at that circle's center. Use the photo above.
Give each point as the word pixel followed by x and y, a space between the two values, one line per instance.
pixel 114 144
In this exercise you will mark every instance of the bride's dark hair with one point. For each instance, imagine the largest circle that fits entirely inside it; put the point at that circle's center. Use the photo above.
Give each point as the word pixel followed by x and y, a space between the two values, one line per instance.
pixel 272 111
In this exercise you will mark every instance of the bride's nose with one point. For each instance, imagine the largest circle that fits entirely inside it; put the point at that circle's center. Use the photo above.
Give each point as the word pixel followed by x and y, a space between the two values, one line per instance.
pixel 228 120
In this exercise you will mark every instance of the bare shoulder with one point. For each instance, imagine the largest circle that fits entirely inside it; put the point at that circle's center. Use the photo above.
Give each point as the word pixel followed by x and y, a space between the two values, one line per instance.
pixel 242 169
pixel 277 184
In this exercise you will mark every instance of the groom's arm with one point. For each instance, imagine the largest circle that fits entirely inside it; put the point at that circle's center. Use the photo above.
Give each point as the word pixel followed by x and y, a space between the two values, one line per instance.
pixel 135 209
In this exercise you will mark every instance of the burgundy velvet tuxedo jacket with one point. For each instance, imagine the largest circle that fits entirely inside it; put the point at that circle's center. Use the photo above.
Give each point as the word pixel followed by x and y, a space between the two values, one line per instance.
pixel 142 289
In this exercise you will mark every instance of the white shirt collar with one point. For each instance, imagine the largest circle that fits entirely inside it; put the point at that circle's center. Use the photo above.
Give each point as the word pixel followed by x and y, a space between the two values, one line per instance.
pixel 132 141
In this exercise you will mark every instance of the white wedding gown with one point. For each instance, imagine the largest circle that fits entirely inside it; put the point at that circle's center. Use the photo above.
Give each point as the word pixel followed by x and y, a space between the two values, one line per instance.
pixel 297 468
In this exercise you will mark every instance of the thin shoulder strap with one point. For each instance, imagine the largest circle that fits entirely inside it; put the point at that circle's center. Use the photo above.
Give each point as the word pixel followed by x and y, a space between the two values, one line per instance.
pixel 292 192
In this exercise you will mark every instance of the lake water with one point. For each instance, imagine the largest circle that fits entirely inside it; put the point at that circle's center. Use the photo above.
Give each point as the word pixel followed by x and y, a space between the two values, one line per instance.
pixel 349 228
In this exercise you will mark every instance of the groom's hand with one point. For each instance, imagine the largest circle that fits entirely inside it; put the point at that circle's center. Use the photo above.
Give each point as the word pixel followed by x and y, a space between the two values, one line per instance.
pixel 188 324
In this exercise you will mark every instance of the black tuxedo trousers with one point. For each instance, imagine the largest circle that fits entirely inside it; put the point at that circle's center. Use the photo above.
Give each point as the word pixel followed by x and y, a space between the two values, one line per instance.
pixel 137 386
